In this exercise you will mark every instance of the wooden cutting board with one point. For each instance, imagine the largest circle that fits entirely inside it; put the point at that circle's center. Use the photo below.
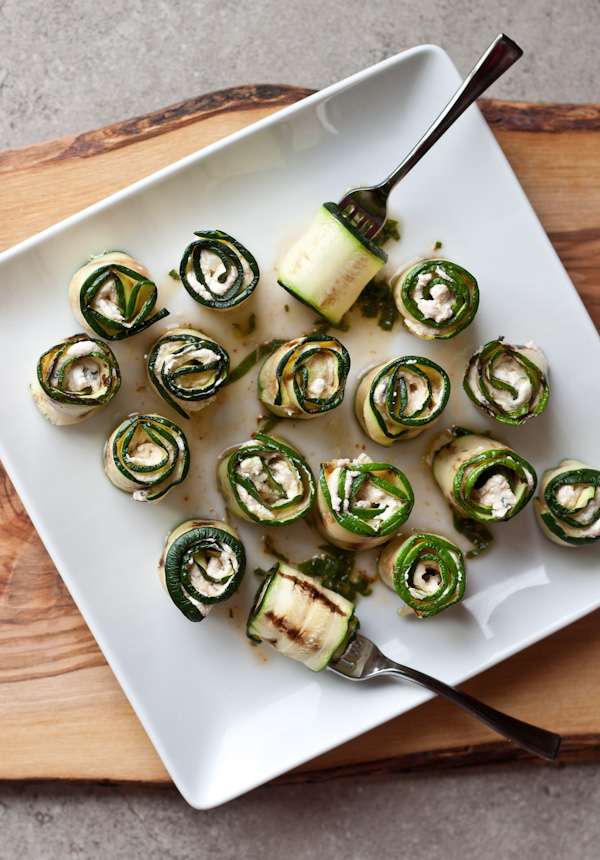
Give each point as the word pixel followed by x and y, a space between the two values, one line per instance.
pixel 62 713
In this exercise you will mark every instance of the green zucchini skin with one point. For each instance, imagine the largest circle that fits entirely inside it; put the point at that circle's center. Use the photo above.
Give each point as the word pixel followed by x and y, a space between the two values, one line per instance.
pixel 187 369
pixel 330 265
pixel 114 296
pixel 493 373
pixel 304 377
pixel 351 497
pixel 186 566
pixel 75 379
pixel 426 571
pixel 301 619
pixel 576 521
pixel 147 456
pixel 413 286
pixel 383 398
pixel 483 479
pixel 233 271
pixel 276 505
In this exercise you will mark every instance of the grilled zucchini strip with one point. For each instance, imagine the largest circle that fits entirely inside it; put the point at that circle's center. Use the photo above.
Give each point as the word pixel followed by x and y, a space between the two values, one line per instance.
pixel 300 618
pixel 218 271
pixel 147 455
pixel 568 504
pixel 266 481
pixel 304 377
pixel 75 379
pixel 202 564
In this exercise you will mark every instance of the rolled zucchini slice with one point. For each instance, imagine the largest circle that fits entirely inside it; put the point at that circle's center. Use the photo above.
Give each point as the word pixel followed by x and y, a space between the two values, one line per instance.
pixel 266 481
pixel 187 369
pixel 401 398
pixel 218 271
pixel 361 504
pixel 508 382
pixel 437 298
pixel 75 379
pixel 300 618
pixel 304 377
pixel 568 504
pixel 483 479
pixel 426 570
pixel 147 455
pixel 330 265
pixel 114 297
pixel 202 564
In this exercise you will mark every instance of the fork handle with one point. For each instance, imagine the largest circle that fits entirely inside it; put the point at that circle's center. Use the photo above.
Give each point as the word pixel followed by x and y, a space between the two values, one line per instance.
pixel 500 55
pixel 535 740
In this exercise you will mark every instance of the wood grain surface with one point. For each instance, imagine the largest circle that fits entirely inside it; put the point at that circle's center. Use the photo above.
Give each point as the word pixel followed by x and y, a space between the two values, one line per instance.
pixel 62 713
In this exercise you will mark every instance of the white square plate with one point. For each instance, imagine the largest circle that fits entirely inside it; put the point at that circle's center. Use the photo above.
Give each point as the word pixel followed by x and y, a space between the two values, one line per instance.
pixel 223 715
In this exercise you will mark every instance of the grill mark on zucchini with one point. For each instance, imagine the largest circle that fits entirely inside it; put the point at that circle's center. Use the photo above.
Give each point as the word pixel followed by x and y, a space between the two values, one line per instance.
pixel 292 633
pixel 314 593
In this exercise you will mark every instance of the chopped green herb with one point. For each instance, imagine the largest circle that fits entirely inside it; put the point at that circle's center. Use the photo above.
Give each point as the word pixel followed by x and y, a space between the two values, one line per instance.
pixel 377 300
pixel 437 246
pixel 476 532
pixel 322 326
pixel 388 232
pixel 270 421
pixel 174 274
pixel 248 329
pixel 272 549
pixel 231 613
pixel 247 363
pixel 260 571
pixel 286 308
pixel 335 567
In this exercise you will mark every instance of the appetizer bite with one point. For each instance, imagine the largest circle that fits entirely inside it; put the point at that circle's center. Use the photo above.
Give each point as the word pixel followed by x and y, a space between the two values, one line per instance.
pixel 202 564
pixel 217 271
pixel 266 481
pixel 568 504
pixel 304 377
pixel 426 570
pixel 483 479
pixel 300 618
pixel 361 504
pixel 330 265
pixel 437 298
pixel 146 456
pixel 401 398
pixel 187 369
pixel 114 297
pixel 75 379
pixel 508 382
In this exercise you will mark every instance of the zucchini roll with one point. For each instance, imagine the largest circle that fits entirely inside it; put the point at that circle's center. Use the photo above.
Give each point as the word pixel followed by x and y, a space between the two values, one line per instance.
pixel 300 618
pixel 510 383
pixel 330 265
pixel 401 398
pixel 425 570
pixel 217 271
pixel 483 479
pixel 305 377
pixel 75 379
pixel 187 369
pixel 437 298
pixel 147 456
pixel 114 297
pixel 266 481
pixel 202 564
pixel 568 504
pixel 361 504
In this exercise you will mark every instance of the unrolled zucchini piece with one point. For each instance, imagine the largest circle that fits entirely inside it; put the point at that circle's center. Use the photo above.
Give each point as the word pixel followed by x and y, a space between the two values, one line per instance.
pixel 437 298
pixel 300 618
pixel 75 379
pixel 147 455
pixel 400 398
pixel 114 297
pixel 568 504
pixel 361 504
pixel 266 481
pixel 330 265
pixel 426 570
pixel 510 383
pixel 304 377
pixel 217 271
pixel 187 369
pixel 202 564
pixel 483 479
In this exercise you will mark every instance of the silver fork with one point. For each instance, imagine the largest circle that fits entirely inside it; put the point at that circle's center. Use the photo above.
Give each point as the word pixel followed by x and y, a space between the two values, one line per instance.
pixel 366 207
pixel 362 659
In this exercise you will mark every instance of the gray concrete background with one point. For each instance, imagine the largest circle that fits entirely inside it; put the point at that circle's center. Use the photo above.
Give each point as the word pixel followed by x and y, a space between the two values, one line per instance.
pixel 69 66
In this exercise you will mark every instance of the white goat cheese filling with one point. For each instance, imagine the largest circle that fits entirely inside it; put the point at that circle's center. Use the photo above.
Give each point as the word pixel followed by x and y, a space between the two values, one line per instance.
pixel 368 495
pixel 212 268
pixel 254 468
pixel 106 302
pixel 495 494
